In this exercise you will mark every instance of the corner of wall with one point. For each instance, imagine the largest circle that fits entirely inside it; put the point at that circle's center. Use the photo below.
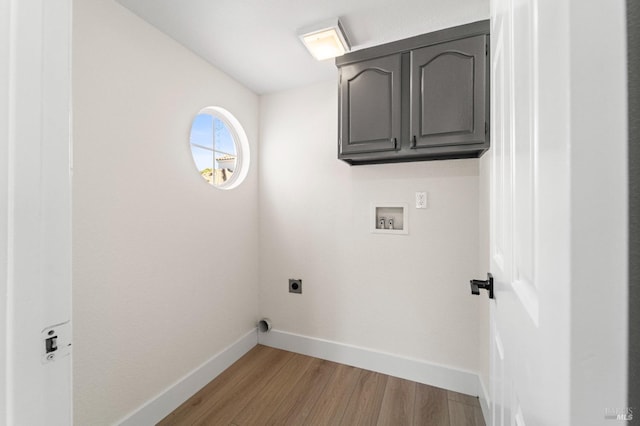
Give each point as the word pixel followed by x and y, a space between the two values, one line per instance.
pixel 168 400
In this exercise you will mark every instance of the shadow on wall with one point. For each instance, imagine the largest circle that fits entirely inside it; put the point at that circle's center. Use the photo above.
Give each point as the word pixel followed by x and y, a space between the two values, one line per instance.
pixel 416 170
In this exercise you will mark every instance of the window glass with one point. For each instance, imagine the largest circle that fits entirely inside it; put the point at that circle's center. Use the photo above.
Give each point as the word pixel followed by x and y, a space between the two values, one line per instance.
pixel 218 145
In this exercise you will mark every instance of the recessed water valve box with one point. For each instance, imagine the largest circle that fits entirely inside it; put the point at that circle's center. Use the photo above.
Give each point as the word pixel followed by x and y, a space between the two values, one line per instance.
pixel 390 218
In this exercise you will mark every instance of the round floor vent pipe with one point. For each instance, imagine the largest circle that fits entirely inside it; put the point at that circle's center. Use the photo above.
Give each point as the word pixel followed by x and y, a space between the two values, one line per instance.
pixel 264 325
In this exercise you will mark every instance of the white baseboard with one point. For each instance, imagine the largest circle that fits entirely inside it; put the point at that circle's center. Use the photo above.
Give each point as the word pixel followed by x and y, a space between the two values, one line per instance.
pixel 161 405
pixel 485 401
pixel 393 365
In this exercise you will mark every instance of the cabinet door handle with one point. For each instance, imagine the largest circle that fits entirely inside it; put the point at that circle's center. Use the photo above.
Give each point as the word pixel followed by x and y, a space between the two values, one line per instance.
pixel 414 142
pixel 395 144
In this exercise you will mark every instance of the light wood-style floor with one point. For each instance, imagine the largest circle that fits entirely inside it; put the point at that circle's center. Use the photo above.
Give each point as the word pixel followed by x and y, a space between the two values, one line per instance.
pixel 268 386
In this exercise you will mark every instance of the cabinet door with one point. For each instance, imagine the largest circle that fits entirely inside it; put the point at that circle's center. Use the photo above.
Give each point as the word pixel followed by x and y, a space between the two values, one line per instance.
pixel 448 93
pixel 370 106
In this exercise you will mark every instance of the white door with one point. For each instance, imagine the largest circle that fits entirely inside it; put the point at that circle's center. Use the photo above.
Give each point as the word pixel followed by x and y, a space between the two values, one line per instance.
pixel 529 326
pixel 537 68
pixel 35 212
pixel 530 241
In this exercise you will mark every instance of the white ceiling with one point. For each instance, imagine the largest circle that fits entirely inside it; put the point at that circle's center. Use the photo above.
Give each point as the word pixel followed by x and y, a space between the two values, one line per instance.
pixel 256 42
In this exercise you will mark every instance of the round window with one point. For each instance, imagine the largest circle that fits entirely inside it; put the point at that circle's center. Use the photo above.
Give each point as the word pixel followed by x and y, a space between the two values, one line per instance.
pixel 219 147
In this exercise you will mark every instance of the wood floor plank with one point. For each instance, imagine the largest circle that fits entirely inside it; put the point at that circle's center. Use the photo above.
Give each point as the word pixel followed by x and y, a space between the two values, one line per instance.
pixel 195 406
pixel 398 403
pixel 230 401
pixel 364 405
pixel 461 414
pixel 273 393
pixel 330 406
pixel 304 395
pixel 432 406
pixel 273 387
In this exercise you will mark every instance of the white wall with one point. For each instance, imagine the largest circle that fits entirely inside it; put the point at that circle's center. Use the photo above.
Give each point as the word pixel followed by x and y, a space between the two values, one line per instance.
pixel 405 295
pixel 165 266
pixel 5 57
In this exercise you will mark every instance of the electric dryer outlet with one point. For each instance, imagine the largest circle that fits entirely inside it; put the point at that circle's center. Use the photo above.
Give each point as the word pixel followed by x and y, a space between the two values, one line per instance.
pixel 295 285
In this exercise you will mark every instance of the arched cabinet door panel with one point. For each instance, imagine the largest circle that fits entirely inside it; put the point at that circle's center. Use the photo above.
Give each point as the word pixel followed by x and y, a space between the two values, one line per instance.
pixel 448 93
pixel 370 96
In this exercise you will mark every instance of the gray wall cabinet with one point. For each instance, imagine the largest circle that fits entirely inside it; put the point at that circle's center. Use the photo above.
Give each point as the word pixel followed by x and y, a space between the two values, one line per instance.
pixel 423 98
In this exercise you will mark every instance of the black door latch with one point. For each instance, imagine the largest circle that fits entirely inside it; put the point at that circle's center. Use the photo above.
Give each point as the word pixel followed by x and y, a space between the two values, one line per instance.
pixel 476 285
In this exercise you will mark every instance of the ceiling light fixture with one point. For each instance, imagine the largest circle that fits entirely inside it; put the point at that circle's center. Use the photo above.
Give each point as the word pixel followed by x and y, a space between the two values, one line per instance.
pixel 325 40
